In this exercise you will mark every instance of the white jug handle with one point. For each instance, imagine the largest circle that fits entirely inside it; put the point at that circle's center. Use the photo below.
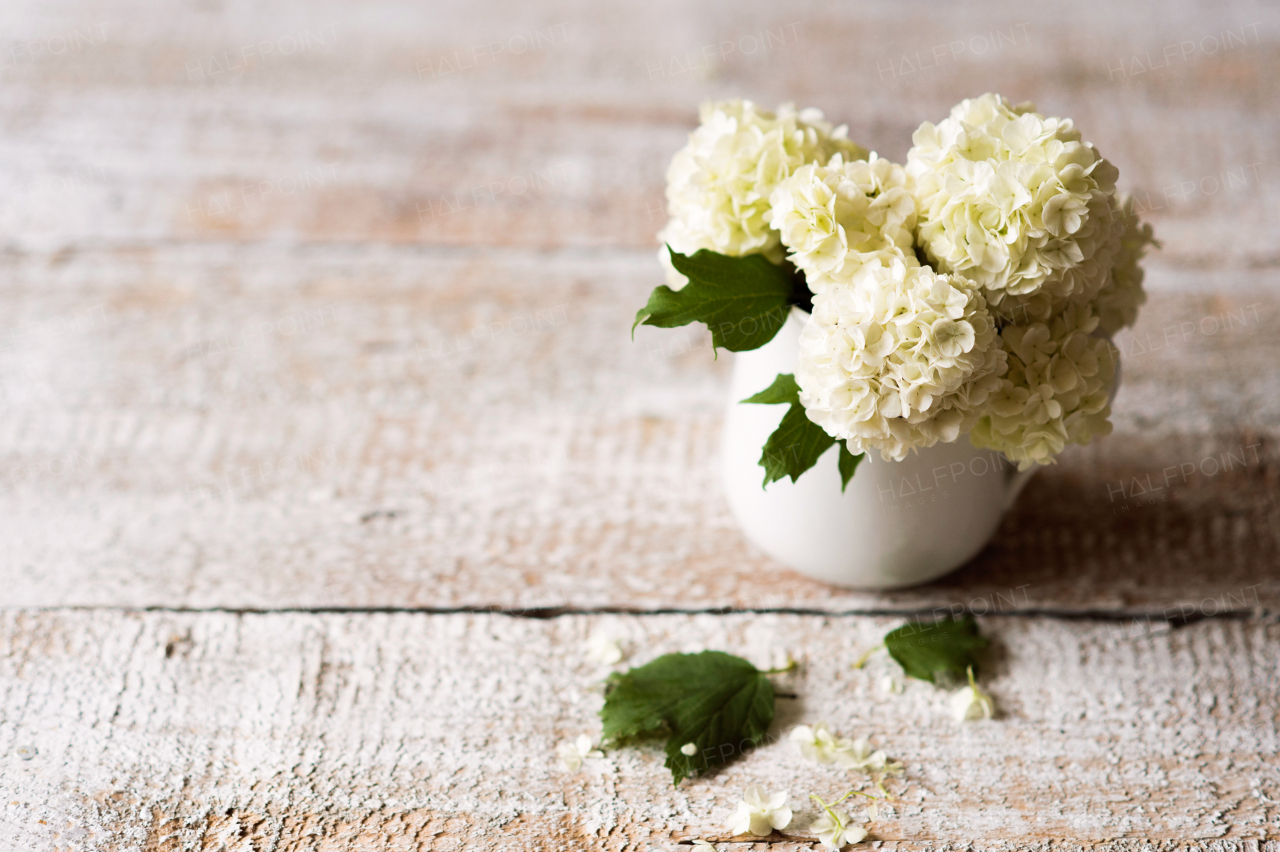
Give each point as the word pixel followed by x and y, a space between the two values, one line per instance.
pixel 1014 481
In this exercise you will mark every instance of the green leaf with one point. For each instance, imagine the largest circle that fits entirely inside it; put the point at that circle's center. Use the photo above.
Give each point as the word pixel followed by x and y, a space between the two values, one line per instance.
pixel 848 464
pixel 942 650
pixel 783 390
pixel 742 300
pixel 798 442
pixel 720 703
pixel 794 446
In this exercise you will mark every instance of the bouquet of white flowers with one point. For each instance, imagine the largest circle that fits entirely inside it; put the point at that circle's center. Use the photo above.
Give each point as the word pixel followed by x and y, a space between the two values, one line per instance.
pixel 972 291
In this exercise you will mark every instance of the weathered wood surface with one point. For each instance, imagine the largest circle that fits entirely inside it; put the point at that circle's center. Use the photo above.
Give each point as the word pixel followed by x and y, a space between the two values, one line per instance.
pixel 394 427
pixel 290 732
pixel 297 317
pixel 250 415
pixel 228 343
pixel 342 121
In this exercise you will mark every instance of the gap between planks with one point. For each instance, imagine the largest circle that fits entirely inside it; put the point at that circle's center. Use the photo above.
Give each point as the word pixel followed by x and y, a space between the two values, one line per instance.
pixel 1183 619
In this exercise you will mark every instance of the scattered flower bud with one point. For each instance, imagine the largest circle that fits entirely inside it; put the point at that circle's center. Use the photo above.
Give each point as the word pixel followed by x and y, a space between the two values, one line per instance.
pixel 971 703
pixel 573 753
pixel 816 743
pixel 759 813
pixel 834 830
pixel 604 649
pixel 858 755
pixel 833 827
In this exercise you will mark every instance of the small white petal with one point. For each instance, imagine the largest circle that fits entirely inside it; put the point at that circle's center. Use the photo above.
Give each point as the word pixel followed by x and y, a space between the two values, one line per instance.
pixel 971 703
pixel 759 813
pixel 604 649
pixel 570 757
pixel 739 821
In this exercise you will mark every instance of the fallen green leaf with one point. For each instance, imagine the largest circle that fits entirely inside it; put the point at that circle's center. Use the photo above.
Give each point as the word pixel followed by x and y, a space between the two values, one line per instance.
pixel 942 651
pixel 720 703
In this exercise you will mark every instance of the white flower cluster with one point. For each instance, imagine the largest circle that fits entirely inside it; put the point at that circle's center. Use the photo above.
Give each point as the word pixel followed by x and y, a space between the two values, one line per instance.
pixel 833 219
pixel 897 358
pixel 1118 301
pixel 1013 200
pixel 1033 262
pixel 719 184
pixel 1055 392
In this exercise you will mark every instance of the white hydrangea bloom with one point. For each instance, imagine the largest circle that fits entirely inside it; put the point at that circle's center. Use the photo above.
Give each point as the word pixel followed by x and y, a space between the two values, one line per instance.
pixel 718 185
pixel 1117 303
pixel 1084 282
pixel 1012 199
pixel 1055 391
pixel 837 217
pixel 897 359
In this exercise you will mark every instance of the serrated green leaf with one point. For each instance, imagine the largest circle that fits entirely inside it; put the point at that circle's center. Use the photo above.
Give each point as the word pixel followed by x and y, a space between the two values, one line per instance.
pixel 942 650
pixel 798 442
pixel 848 465
pixel 742 300
pixel 720 703
pixel 784 390
pixel 794 447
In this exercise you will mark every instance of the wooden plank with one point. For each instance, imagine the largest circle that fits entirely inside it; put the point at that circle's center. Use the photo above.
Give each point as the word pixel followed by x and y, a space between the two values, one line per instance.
pixel 342 122
pixel 262 427
pixel 289 732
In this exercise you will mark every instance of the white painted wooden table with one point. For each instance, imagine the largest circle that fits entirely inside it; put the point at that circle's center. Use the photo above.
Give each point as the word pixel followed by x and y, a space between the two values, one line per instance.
pixel 324 448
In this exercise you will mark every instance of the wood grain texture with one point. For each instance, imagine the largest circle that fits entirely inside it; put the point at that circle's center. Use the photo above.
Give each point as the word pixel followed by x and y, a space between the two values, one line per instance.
pixel 243 368
pixel 342 121
pixel 289 732
pixel 323 306
pixel 392 427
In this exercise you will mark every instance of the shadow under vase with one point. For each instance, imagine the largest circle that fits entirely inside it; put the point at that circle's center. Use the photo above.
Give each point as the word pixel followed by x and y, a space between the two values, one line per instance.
pixel 1182 524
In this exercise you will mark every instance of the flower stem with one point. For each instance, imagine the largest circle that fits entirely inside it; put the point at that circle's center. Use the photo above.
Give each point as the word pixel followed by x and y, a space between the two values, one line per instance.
pixel 842 798
pixel 862 661
pixel 828 808
pixel 788 667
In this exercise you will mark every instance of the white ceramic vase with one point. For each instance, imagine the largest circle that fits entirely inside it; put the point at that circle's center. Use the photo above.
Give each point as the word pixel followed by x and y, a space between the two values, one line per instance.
pixel 897 524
